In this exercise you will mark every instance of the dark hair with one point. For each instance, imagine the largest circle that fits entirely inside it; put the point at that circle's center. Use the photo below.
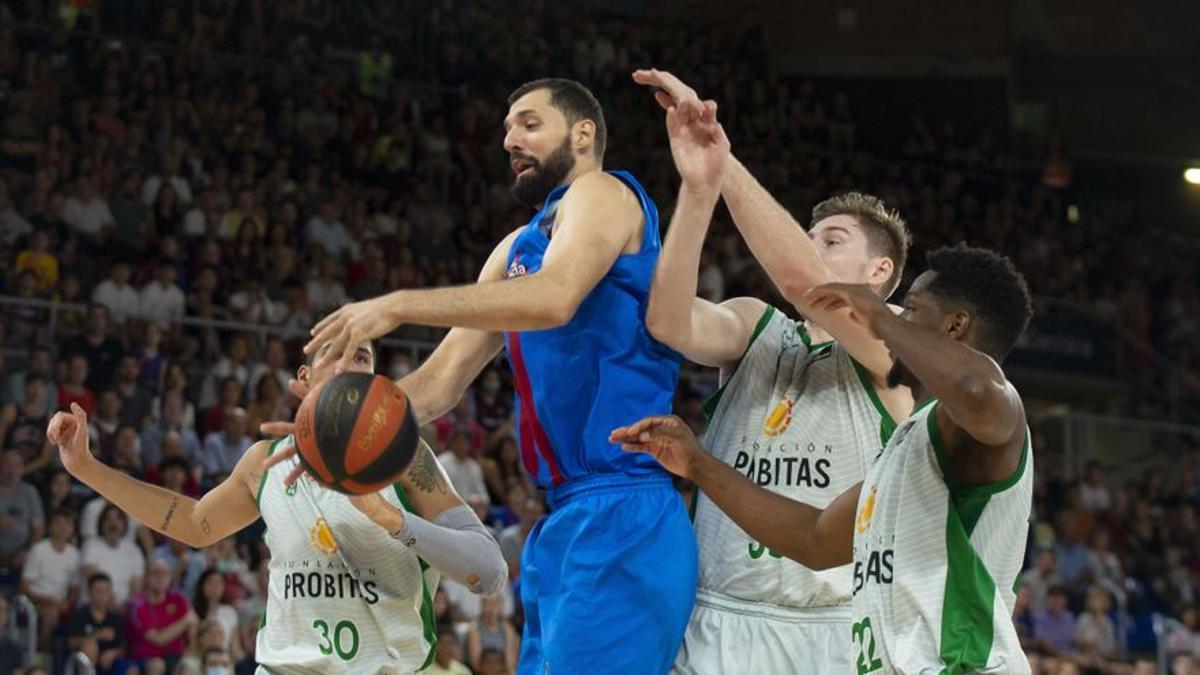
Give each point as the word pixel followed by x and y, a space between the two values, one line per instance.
pixel 310 358
pixel 887 233
pixel 64 512
pixel 104 514
pixel 97 577
pixel 34 377
pixel 575 102
pixel 199 602
pixel 987 285
pixel 172 463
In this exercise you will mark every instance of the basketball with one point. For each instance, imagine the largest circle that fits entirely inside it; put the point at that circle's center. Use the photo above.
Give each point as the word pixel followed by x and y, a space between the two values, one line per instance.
pixel 355 433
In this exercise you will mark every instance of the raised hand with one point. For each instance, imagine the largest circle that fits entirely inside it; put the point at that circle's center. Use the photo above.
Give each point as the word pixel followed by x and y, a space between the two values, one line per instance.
pixel 69 431
pixel 667 438
pixel 698 143
pixel 866 307
pixel 353 324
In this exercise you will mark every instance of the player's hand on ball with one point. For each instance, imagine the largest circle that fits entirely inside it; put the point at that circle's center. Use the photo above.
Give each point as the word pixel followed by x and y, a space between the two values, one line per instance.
pixel 375 507
pixel 667 438
pixel 352 325
pixel 866 307
pixel 280 429
pixel 69 431
pixel 698 143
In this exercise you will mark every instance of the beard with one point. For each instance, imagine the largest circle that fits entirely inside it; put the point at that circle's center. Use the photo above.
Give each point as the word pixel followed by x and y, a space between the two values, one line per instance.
pixel 900 375
pixel 531 188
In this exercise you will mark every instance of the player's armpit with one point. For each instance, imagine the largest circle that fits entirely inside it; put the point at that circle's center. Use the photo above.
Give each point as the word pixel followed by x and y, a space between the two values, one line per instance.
pixel 441 380
pixel 427 485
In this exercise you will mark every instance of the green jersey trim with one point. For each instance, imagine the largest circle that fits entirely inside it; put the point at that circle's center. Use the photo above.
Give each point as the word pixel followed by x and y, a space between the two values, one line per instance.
pixel 887 425
pixel 802 330
pixel 428 620
pixel 972 491
pixel 262 481
pixel 710 404
pixel 967 631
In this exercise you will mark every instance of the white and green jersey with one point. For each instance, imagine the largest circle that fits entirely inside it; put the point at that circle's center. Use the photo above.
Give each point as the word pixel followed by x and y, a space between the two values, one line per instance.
pixel 802 420
pixel 935 564
pixel 343 595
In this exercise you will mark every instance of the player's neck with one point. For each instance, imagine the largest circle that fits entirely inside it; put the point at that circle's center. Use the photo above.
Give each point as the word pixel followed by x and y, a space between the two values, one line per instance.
pixel 581 168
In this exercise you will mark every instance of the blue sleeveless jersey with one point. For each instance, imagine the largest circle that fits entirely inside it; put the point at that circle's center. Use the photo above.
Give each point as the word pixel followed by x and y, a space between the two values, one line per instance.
pixel 578 382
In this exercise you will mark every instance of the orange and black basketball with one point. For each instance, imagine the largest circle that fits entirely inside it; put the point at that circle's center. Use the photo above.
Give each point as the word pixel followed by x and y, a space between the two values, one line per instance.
pixel 356 433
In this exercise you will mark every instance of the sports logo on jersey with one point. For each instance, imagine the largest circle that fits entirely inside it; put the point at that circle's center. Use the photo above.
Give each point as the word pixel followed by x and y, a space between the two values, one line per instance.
pixel 321 537
pixel 780 418
pixel 290 490
pixel 516 269
pixel 862 522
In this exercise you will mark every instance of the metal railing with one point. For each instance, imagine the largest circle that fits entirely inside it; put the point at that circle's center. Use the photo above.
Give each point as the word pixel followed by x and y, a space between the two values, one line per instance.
pixel 1125 447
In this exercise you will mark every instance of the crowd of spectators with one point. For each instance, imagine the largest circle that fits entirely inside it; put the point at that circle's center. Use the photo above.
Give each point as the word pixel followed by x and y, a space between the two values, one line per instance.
pixel 263 162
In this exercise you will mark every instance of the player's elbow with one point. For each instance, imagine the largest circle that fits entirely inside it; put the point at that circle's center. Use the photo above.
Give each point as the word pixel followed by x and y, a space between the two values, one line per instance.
pixel 660 324
pixel 559 310
pixel 493 573
pixel 796 283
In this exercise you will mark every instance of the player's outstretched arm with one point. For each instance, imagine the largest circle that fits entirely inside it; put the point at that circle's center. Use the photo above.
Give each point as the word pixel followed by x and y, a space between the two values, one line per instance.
pixel 704 332
pixel 815 538
pixel 444 531
pixel 224 510
pixel 597 218
pixel 775 239
pixel 975 399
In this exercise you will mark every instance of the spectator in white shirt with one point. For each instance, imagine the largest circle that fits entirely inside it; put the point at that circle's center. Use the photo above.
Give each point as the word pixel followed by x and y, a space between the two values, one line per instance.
pixel 169 174
pixel 51 574
pixel 463 470
pixel 86 211
pixel 233 364
pixel 115 293
pixel 203 220
pixel 12 225
pixel 161 300
pixel 252 304
pixel 115 555
pixel 326 293
pixel 1094 495
pixel 327 230
pixel 274 362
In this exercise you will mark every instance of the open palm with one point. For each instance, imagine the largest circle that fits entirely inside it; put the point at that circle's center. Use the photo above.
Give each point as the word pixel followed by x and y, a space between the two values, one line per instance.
pixel 666 438
pixel 698 143
pixel 699 147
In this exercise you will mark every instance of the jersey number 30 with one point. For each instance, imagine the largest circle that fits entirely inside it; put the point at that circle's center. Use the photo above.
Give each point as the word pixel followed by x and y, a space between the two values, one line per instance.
pixel 344 632
pixel 864 637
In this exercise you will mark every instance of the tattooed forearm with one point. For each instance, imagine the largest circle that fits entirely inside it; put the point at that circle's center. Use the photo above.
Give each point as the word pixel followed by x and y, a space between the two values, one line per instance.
pixel 205 527
pixel 170 514
pixel 425 474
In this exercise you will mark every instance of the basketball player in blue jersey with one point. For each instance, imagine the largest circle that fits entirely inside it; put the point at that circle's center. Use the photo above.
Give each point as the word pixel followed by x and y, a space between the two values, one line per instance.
pixel 608 578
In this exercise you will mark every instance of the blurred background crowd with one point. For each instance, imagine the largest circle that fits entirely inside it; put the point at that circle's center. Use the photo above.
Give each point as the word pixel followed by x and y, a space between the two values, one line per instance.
pixel 186 186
